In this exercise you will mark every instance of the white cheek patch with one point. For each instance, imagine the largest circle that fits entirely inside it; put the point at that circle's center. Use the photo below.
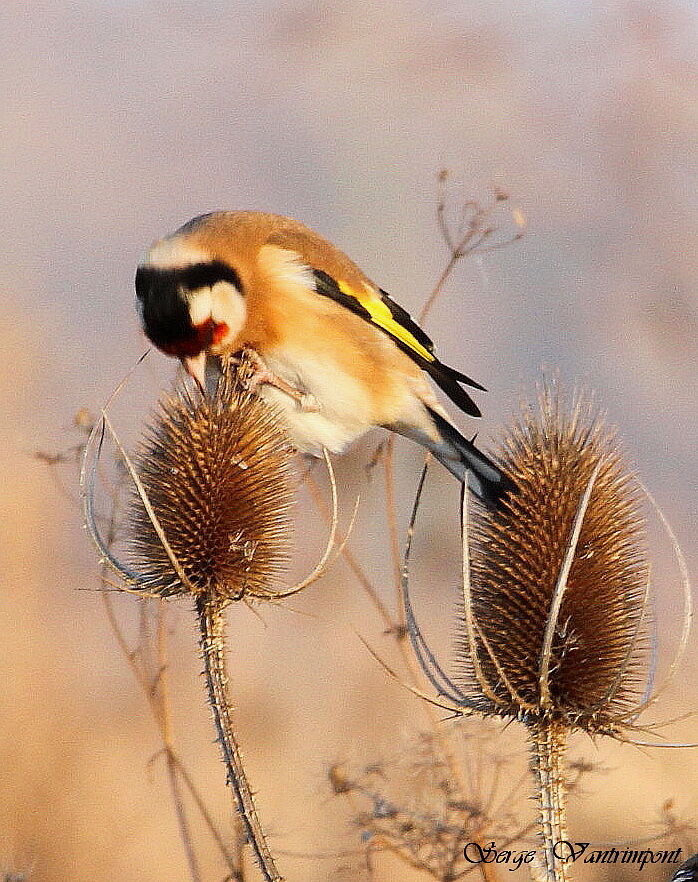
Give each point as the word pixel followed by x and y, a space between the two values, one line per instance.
pixel 201 306
pixel 171 253
pixel 228 306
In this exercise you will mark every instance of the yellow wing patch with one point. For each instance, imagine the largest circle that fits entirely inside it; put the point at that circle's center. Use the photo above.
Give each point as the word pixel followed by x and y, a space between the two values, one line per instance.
pixel 382 317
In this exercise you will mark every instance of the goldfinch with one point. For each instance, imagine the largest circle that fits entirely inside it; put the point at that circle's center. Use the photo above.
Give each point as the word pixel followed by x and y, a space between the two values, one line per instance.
pixel 337 355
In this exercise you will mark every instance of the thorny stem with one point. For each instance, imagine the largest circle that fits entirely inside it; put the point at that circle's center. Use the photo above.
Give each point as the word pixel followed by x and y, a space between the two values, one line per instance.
pixel 234 861
pixel 548 745
pixel 212 641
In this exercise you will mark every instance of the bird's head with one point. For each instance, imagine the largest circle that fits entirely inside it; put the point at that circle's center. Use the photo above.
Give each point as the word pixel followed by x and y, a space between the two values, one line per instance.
pixel 190 304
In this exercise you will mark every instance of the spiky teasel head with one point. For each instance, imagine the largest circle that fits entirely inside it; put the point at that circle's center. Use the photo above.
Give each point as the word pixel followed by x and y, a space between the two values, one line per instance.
pixel 555 628
pixel 215 472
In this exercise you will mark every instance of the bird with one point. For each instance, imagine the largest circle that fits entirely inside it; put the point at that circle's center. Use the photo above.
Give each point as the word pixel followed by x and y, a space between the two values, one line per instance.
pixel 688 871
pixel 333 351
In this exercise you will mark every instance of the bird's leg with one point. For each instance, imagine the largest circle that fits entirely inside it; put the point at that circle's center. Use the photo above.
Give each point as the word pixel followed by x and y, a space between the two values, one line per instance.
pixel 261 375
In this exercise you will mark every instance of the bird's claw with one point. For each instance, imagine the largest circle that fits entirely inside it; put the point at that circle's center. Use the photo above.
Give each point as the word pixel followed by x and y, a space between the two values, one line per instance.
pixel 261 375
pixel 308 403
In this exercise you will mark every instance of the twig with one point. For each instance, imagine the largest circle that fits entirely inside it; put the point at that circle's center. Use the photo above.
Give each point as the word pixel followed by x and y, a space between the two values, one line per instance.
pixel 390 509
pixel 548 743
pixel 212 642
pixel 559 593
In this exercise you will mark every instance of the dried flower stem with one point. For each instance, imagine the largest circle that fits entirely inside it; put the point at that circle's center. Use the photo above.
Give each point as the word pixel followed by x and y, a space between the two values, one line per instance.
pixel 391 515
pixel 212 641
pixel 554 604
pixel 548 746
pixel 472 232
pixel 233 860
pixel 155 688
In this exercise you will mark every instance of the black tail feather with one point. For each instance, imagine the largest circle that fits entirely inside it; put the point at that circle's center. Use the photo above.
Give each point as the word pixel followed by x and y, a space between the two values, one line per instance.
pixel 463 378
pixel 447 379
pixel 460 456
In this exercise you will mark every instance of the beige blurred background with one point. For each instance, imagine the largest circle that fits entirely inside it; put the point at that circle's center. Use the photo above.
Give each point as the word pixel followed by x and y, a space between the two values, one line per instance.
pixel 121 120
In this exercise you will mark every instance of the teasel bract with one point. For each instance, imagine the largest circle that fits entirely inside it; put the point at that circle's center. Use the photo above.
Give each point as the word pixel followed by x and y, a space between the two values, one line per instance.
pixel 553 624
pixel 210 518
pixel 216 473
pixel 554 627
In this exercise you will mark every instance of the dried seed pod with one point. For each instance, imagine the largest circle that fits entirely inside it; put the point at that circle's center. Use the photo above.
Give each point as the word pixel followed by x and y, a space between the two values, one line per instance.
pixel 216 474
pixel 557 619
pixel 555 585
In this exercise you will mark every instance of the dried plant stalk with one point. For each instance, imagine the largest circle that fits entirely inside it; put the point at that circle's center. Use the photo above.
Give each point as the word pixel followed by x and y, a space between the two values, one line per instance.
pixel 212 627
pixel 548 745
pixel 555 588
pixel 209 518
pixel 556 632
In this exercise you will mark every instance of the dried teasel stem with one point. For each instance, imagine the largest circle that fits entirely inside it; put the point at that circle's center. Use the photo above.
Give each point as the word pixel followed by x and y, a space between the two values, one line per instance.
pixel 209 520
pixel 213 651
pixel 548 746
pixel 554 613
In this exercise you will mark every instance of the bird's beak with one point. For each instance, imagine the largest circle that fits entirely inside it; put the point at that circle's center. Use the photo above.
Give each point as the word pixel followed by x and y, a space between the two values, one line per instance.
pixel 195 366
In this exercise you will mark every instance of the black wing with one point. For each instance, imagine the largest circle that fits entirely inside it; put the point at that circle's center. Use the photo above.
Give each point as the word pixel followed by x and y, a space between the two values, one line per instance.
pixel 383 313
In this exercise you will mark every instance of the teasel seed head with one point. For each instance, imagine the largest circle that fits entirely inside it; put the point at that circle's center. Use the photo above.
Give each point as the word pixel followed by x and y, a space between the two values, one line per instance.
pixel 215 472
pixel 555 626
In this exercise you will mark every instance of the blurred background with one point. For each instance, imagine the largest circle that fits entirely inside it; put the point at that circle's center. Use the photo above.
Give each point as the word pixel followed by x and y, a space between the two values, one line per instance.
pixel 120 121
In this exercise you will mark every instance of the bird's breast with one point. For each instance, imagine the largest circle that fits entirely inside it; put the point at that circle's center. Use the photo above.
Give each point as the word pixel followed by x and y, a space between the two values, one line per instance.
pixel 353 375
pixel 338 407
